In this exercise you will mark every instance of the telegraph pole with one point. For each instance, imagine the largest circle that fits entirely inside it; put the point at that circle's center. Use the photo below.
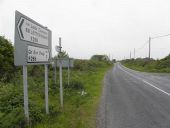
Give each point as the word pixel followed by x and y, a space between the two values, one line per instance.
pixel 134 53
pixel 149 48
pixel 150 42
pixel 130 54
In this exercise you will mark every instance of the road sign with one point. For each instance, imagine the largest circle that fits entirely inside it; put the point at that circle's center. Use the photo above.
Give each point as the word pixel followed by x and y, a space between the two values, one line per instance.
pixel 58 48
pixel 36 54
pixel 66 62
pixel 32 41
pixel 32 46
pixel 31 32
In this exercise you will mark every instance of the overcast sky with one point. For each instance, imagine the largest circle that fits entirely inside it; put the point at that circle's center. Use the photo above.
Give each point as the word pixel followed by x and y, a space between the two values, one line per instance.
pixel 90 27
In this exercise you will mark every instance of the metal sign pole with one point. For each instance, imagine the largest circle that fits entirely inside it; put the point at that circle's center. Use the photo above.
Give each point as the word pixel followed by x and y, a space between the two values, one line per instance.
pixel 25 88
pixel 46 89
pixel 61 87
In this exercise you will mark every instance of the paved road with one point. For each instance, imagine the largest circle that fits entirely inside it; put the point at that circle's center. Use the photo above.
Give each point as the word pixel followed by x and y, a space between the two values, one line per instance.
pixel 133 99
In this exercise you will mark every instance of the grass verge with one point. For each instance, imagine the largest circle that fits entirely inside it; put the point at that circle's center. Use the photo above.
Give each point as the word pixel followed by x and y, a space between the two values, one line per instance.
pixel 79 109
pixel 81 97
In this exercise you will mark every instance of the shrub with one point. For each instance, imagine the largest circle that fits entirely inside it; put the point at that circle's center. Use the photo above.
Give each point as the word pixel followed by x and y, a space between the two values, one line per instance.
pixel 75 84
pixel 11 101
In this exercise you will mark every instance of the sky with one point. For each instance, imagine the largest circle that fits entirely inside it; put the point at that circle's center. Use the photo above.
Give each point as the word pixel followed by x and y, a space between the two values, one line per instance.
pixel 88 27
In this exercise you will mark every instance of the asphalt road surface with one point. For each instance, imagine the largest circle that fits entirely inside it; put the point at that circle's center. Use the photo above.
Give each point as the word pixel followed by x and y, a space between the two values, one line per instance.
pixel 133 99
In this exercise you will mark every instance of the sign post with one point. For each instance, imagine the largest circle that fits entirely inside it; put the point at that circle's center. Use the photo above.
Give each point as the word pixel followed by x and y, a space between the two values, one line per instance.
pixel 61 84
pixel 66 63
pixel 46 89
pixel 54 68
pixel 25 88
pixel 32 47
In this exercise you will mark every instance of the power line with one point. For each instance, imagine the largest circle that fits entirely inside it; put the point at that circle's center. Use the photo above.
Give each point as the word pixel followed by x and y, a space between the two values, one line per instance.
pixel 160 36
pixel 142 46
pixel 150 38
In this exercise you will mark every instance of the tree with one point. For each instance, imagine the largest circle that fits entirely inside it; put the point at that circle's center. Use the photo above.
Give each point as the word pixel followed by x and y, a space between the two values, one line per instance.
pixel 7 67
pixel 62 54
pixel 100 57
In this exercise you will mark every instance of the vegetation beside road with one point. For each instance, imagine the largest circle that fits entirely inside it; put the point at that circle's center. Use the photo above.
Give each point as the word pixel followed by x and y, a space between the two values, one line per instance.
pixel 146 65
pixel 81 97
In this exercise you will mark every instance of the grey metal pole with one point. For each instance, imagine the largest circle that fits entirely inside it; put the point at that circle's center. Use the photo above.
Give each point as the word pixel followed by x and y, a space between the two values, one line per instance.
pixel 25 88
pixel 61 86
pixel 46 89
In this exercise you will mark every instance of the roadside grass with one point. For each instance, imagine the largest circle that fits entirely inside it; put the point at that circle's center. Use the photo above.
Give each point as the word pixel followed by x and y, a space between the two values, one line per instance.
pixel 81 97
pixel 79 110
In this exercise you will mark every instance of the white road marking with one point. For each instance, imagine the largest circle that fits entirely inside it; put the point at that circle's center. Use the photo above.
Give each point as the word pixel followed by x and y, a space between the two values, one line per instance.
pixel 156 87
pixel 145 81
pixel 130 73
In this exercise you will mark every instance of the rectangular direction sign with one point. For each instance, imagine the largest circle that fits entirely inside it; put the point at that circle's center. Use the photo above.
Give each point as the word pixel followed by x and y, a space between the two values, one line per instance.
pixel 36 54
pixel 32 41
pixel 65 62
pixel 32 32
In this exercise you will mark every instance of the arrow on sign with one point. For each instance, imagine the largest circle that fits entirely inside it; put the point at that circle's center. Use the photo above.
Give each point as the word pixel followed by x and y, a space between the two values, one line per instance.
pixel 20 25
pixel 32 32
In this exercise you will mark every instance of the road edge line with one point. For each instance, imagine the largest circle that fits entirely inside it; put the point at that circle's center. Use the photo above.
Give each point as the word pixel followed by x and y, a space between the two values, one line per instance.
pixel 156 87
pixel 144 81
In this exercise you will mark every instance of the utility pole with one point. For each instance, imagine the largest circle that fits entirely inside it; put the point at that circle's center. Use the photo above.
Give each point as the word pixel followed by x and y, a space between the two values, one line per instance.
pixel 130 54
pixel 149 48
pixel 134 53
pixel 150 42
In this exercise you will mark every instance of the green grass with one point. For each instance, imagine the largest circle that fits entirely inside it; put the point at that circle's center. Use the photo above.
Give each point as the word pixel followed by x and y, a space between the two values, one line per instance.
pixel 79 111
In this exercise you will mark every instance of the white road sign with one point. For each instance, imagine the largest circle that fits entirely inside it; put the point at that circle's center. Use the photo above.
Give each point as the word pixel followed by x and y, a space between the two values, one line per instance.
pixel 36 54
pixel 31 32
pixel 57 48
pixel 32 41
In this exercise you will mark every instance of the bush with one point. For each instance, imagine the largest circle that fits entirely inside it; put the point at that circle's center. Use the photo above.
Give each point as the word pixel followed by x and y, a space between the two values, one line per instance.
pixel 162 65
pixel 11 101
pixel 75 85
pixel 89 65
